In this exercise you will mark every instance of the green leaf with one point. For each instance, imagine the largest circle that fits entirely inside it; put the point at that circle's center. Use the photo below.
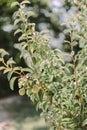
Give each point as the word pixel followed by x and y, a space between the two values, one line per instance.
pixel 61 61
pixel 24 46
pixel 67 31
pixel 21 38
pixel 6 70
pixel 9 75
pixel 3 52
pixel 14 4
pixel 66 119
pixel 25 2
pixel 22 53
pixel 84 122
pixel 44 31
pixel 17 31
pixel 1 59
pixel 22 91
pixel 11 61
pixel 26 70
pixel 11 83
pixel 16 68
pixel 2 68
pixel 30 13
pixel 17 21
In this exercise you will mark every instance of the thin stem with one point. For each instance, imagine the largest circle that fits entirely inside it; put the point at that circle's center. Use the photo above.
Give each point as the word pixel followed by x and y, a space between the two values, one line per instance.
pixel 75 71
pixel 10 68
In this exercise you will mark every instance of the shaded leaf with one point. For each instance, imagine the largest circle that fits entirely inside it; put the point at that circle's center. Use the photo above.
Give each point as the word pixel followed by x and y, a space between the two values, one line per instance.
pixel 12 83
pixel 9 75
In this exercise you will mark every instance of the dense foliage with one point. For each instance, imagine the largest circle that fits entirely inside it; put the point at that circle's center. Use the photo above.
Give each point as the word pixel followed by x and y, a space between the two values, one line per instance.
pixel 58 87
pixel 49 14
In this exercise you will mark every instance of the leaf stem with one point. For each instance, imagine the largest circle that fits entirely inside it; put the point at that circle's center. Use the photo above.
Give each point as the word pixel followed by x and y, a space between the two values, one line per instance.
pixel 75 71
pixel 16 72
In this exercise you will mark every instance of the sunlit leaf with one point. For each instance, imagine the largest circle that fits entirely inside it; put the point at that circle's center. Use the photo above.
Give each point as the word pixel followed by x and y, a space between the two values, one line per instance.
pixel 17 31
pixel 6 70
pixel 22 91
pixel 21 38
pixel 44 31
pixel 30 13
pixel 35 89
pixel 1 59
pixel 17 21
pixel 25 2
pixel 14 4
pixel 84 122
pixel 11 61
pixel 16 68
pixel 2 68
pixel 3 52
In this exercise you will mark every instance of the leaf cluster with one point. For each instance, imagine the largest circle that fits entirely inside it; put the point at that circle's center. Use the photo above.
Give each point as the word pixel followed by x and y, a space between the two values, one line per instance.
pixel 57 87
